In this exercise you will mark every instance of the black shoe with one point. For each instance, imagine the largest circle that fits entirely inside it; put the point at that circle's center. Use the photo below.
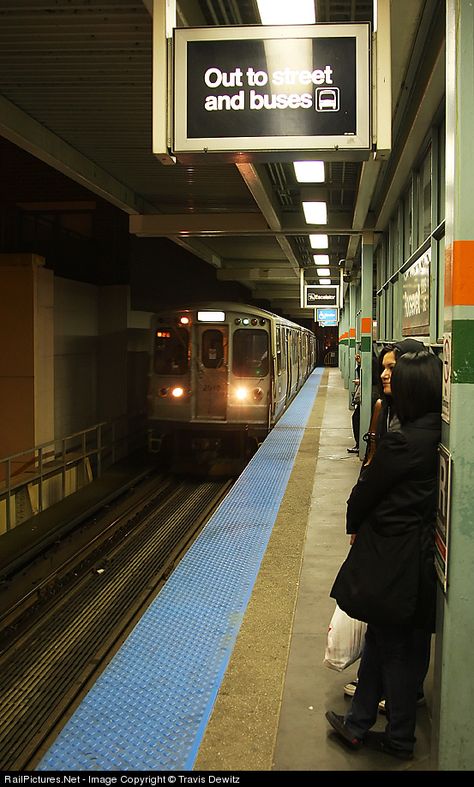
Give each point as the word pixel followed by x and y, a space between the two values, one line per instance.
pixel 338 724
pixel 378 741
pixel 354 450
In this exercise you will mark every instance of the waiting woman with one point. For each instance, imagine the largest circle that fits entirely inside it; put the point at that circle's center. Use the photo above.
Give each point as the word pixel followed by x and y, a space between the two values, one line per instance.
pixel 388 578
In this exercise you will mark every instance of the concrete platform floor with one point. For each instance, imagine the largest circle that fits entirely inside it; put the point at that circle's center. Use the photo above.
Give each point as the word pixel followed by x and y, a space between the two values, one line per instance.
pixel 269 714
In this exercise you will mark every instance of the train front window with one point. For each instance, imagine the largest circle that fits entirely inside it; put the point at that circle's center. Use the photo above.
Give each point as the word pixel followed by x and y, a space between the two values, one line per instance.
pixel 250 356
pixel 213 349
pixel 171 351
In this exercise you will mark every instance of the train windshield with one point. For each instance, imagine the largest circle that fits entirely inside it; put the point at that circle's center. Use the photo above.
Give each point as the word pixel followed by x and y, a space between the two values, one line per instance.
pixel 213 349
pixel 171 351
pixel 250 353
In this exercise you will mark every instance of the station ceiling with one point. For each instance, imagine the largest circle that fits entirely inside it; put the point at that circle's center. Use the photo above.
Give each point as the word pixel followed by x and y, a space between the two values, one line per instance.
pixel 75 91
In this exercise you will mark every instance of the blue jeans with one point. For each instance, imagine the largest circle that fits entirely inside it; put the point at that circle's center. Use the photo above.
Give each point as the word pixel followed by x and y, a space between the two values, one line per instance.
pixel 393 665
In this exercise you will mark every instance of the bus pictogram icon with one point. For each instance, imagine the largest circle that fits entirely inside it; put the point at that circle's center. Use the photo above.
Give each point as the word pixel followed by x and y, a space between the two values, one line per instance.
pixel 326 99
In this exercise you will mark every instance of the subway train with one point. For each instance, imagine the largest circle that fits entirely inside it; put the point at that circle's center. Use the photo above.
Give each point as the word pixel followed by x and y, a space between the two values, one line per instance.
pixel 221 376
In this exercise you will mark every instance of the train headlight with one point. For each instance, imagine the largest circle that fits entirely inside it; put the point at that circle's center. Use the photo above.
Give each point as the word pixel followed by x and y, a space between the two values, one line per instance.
pixel 177 392
pixel 241 394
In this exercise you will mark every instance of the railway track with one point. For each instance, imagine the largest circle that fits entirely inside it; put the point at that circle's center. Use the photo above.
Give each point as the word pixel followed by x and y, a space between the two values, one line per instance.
pixel 55 644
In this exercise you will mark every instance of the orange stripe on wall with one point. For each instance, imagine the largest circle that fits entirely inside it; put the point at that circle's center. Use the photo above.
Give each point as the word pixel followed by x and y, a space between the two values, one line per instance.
pixel 366 325
pixel 459 274
pixel 352 333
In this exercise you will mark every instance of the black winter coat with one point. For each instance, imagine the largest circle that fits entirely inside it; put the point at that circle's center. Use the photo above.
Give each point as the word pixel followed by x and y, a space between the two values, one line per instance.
pixel 388 577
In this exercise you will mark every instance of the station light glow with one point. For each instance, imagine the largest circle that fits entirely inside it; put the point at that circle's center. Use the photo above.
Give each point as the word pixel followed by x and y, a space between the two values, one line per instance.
pixel 323 271
pixel 280 12
pixel 321 259
pixel 325 281
pixel 319 241
pixel 315 212
pixel 211 316
pixel 309 171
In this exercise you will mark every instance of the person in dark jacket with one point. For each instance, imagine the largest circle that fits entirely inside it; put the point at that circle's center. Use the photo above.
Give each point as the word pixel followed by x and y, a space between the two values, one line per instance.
pixel 388 579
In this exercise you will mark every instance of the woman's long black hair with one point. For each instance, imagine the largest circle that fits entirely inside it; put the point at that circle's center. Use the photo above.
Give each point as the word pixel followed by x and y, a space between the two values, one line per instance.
pixel 416 385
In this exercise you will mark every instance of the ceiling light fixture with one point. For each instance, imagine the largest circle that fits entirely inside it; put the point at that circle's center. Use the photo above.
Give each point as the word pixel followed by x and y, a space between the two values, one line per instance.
pixel 309 171
pixel 323 271
pixel 280 12
pixel 315 212
pixel 319 241
pixel 321 259
pixel 325 281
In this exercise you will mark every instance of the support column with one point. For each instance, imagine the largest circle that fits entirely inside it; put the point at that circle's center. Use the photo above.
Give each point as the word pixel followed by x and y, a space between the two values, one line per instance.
pixel 27 366
pixel 344 344
pixel 453 721
pixel 367 283
pixel 352 337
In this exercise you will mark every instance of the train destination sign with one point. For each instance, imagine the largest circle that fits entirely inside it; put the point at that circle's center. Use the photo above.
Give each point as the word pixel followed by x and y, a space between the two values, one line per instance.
pixel 301 88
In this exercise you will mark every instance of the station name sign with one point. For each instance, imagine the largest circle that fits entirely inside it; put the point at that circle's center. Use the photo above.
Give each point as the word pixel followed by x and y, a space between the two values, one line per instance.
pixel 300 88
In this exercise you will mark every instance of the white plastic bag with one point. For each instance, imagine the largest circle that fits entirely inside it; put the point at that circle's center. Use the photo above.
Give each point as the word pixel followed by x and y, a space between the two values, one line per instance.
pixel 345 641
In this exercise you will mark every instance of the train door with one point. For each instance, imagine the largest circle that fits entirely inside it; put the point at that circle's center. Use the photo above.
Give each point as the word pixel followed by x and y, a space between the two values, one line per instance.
pixel 289 365
pixel 212 368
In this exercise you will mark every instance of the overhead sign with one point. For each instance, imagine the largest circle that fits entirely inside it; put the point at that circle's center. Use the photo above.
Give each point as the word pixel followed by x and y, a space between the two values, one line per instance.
pixel 327 317
pixel 316 295
pixel 273 88
pixel 416 297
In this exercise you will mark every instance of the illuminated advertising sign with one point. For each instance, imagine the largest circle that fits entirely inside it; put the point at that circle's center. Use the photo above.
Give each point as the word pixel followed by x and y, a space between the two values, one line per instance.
pixel 416 297
pixel 272 88
pixel 327 317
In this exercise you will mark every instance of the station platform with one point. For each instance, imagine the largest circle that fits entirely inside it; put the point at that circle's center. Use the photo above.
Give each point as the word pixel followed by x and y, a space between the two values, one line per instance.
pixel 225 672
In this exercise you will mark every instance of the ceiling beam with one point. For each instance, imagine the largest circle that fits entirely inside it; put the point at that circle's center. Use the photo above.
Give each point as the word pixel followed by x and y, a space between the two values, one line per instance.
pixel 198 249
pixel 256 274
pixel 260 187
pixel 239 224
pixel 28 134
pixel 245 264
pixel 368 180
pixel 201 224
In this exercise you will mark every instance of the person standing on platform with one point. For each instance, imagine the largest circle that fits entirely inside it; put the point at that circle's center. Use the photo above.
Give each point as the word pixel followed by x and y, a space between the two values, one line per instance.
pixel 388 578
pixel 356 404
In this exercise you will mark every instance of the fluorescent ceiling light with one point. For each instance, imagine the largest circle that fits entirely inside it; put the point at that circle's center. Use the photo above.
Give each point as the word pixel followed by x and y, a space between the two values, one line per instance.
pixel 323 271
pixel 325 281
pixel 282 12
pixel 309 171
pixel 315 212
pixel 321 259
pixel 319 241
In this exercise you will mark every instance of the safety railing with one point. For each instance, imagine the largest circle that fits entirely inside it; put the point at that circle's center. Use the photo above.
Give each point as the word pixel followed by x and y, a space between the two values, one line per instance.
pixel 38 477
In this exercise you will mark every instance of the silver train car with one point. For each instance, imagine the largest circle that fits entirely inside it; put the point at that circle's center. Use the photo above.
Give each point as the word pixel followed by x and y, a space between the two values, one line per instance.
pixel 221 376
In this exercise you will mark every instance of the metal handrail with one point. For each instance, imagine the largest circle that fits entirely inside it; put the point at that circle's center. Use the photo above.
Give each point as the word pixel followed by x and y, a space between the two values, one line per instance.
pixel 99 444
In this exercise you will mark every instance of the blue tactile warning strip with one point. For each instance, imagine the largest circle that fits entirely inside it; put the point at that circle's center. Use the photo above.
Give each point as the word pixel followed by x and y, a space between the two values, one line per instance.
pixel 150 707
